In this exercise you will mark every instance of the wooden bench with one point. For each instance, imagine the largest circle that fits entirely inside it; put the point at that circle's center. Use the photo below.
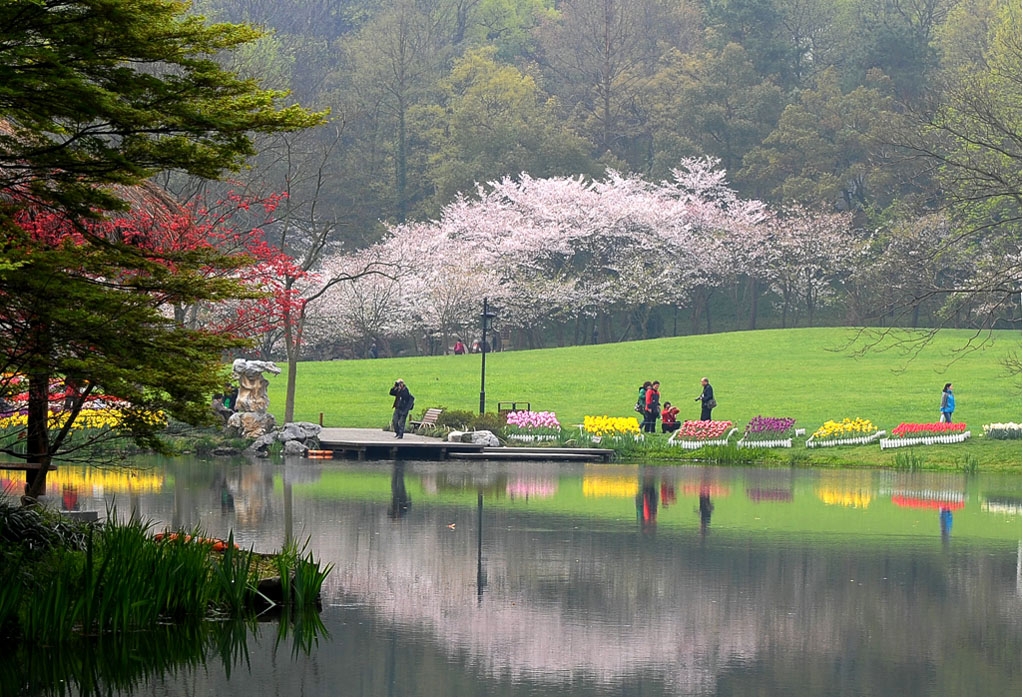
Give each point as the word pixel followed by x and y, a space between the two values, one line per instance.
pixel 428 419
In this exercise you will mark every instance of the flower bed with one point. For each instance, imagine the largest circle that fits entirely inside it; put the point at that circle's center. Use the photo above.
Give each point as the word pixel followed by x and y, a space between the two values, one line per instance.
pixel 922 430
pixel 1007 431
pixel 610 425
pixel 88 419
pixel 530 426
pixel 845 432
pixel 695 434
pixel 596 427
pixel 925 434
pixel 768 432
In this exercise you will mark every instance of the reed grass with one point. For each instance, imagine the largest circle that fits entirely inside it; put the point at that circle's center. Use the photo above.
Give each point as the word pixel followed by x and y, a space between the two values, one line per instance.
pixel 908 461
pixel 125 580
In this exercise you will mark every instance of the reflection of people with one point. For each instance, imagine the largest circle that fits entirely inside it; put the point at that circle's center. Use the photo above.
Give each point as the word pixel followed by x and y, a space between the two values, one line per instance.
pixel 652 407
pixel 69 497
pixel 705 510
pixel 945 524
pixel 669 418
pixel 403 403
pixel 706 397
pixel 646 503
pixel 667 494
pixel 947 404
pixel 400 501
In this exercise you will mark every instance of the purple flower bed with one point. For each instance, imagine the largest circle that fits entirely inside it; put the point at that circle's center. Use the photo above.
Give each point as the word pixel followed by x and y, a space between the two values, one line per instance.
pixel 769 428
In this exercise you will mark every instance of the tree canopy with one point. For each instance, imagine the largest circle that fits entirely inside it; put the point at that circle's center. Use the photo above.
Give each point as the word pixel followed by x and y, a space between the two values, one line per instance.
pixel 96 96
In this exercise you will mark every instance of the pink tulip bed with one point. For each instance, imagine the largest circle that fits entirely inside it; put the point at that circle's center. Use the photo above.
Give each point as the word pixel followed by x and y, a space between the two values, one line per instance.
pixel 531 426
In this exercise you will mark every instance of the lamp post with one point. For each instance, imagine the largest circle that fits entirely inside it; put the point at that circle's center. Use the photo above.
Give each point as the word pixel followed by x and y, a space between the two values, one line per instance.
pixel 487 319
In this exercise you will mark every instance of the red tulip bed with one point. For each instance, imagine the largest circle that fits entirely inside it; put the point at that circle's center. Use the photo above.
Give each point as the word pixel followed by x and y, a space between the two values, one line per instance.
pixel 692 435
pixel 925 434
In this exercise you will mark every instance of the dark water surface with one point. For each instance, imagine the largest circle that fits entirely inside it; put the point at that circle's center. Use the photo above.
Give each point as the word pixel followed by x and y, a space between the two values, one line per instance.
pixel 524 579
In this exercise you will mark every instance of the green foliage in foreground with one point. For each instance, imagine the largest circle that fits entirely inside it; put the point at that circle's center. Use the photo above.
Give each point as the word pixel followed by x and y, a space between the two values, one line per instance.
pixel 802 373
pixel 117 577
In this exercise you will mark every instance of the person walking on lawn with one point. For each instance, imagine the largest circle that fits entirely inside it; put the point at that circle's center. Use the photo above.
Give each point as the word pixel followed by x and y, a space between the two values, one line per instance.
pixel 947 404
pixel 403 403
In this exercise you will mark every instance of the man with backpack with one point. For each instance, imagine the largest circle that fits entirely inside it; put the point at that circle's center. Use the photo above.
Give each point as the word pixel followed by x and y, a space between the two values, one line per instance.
pixel 403 403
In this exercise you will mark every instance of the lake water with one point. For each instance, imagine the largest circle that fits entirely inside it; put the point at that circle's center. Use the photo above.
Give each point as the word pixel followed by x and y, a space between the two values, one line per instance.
pixel 526 579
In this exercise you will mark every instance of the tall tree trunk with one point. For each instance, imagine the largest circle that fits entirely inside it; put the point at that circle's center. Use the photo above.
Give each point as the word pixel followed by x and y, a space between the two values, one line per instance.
pixel 401 165
pixel 753 302
pixel 37 437
pixel 292 343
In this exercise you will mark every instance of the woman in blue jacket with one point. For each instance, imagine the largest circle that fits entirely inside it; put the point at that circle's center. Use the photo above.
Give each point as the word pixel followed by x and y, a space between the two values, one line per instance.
pixel 947 404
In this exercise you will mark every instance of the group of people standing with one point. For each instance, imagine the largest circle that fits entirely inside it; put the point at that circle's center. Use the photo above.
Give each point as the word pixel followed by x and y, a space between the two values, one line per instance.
pixel 650 407
pixel 459 348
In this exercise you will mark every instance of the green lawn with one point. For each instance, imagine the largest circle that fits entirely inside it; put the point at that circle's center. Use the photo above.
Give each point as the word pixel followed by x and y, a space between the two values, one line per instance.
pixel 802 373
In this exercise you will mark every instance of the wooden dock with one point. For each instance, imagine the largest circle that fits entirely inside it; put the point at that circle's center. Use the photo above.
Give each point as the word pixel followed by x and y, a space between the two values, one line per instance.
pixel 543 454
pixel 375 444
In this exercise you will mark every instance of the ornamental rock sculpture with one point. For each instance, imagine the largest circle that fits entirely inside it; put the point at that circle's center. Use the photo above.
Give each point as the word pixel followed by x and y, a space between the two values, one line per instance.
pixel 251 420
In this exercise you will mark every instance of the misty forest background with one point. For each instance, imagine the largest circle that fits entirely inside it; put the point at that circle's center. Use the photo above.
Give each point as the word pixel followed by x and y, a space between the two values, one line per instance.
pixel 858 107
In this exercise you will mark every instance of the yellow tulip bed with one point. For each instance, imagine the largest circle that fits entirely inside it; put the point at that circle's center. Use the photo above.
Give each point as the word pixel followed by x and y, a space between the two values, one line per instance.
pixel 88 419
pixel 855 431
pixel 611 425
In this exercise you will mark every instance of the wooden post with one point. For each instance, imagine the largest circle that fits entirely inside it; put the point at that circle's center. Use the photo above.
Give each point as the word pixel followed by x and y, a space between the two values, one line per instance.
pixel 320 418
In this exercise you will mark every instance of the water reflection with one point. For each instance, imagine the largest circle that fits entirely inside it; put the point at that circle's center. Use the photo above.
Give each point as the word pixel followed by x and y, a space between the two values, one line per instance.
pixel 532 579
pixel 127 662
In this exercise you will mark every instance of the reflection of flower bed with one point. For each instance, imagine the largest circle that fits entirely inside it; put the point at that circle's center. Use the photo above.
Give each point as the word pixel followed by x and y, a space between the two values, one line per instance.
pixel 845 432
pixel 615 487
pixel 851 498
pixel 934 504
pixel 1010 505
pixel 757 494
pixel 695 434
pixel 715 490
pixel 531 487
pixel 768 432
pixel 925 434
pixel 1007 431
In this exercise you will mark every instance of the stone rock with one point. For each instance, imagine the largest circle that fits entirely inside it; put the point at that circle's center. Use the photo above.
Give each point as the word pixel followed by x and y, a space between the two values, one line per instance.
pixel 249 424
pixel 224 451
pixel 311 430
pixel 252 385
pixel 455 437
pixel 295 447
pixel 486 438
pixel 299 430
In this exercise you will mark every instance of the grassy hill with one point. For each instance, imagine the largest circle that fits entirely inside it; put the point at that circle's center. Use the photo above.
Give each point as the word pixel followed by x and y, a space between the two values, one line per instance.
pixel 802 373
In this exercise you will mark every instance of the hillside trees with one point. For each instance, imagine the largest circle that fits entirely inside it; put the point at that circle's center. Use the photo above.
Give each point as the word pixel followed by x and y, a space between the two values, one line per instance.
pixel 973 135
